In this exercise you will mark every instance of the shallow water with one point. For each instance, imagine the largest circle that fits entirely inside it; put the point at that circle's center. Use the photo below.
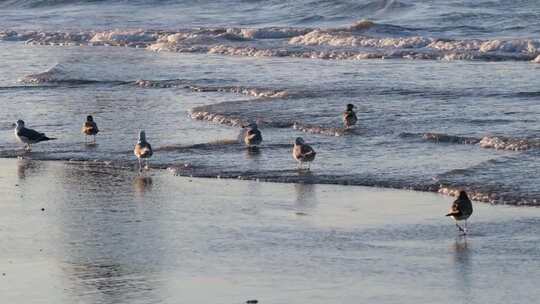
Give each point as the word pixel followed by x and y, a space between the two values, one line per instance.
pixel 165 239
pixel 444 90
pixel 426 125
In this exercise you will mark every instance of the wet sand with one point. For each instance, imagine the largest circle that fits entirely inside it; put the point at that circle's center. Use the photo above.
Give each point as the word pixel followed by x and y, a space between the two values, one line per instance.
pixel 82 233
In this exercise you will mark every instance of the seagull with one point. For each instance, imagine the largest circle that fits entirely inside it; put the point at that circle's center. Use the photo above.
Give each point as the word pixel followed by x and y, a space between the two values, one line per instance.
pixel 252 137
pixel 90 128
pixel 461 210
pixel 349 116
pixel 29 136
pixel 303 152
pixel 142 150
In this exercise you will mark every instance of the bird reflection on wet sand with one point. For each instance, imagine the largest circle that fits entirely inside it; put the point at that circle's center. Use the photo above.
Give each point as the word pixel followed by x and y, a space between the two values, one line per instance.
pixel 25 166
pixel 306 198
pixel 253 152
pixel 142 184
pixel 304 173
pixel 90 145
pixel 110 282
pixel 462 266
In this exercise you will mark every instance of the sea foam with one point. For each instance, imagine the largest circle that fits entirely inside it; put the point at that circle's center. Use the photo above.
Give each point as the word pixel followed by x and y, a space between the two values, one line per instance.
pixel 360 41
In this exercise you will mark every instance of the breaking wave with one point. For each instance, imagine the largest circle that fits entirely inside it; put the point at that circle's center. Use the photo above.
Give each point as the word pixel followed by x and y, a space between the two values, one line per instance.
pixel 506 143
pixel 362 40
pixel 238 113
pixel 441 137
pixel 488 142
pixel 517 188
pixel 248 91
pixel 58 74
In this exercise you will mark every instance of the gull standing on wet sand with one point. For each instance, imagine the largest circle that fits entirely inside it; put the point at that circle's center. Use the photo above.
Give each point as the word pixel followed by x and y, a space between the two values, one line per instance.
pixel 461 210
pixel 29 136
pixel 252 136
pixel 143 151
pixel 349 116
pixel 303 152
pixel 90 128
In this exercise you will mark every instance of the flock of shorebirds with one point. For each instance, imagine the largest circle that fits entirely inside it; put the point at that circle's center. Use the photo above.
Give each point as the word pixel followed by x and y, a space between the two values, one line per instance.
pixel 461 208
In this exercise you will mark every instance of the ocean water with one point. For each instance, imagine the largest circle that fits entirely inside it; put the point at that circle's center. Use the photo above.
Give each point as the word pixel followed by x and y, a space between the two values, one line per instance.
pixel 446 90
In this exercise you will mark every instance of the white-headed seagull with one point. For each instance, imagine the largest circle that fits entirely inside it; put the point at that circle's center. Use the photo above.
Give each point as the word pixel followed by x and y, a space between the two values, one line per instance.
pixel 29 136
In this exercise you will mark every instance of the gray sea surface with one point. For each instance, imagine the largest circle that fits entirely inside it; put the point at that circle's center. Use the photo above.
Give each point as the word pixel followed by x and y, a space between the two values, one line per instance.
pixel 423 124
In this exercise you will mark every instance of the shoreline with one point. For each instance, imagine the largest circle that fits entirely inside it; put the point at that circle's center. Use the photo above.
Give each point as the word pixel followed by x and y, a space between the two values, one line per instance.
pixel 284 177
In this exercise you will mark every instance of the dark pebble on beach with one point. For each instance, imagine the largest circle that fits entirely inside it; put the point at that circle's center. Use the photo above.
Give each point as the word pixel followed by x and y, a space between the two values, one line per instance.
pixel 252 302
pixel 42 209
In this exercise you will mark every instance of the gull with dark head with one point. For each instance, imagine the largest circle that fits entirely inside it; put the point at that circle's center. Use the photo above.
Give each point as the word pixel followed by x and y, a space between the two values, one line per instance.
pixel 252 135
pixel 302 152
pixel 29 136
pixel 90 128
pixel 461 210
pixel 349 116
pixel 143 151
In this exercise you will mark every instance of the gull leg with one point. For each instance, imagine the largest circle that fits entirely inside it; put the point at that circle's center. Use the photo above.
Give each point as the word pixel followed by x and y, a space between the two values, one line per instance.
pixel 140 165
pixel 146 164
pixel 459 227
